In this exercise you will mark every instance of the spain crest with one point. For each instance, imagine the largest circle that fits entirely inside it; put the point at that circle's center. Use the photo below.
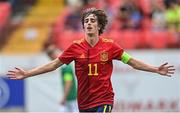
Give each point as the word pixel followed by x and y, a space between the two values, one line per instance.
pixel 104 56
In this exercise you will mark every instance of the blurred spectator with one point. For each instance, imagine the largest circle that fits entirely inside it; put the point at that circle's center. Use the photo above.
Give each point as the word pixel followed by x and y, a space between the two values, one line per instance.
pixel 70 2
pixel 173 17
pixel 168 2
pixel 137 16
pixel 129 15
pixel 111 12
pixel 158 15
pixel 90 3
pixel 5 24
pixel 173 21
pixel 93 3
pixel 19 6
pixel 3 0
pixel 72 21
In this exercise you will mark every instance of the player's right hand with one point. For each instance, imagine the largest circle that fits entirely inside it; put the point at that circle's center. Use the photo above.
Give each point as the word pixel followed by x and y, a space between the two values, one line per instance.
pixel 17 74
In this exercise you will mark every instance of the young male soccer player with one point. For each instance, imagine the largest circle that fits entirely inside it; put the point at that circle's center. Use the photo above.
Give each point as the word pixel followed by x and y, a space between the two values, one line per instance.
pixel 93 64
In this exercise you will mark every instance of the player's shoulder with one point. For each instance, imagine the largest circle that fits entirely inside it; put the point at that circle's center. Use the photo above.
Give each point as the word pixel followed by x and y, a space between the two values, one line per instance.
pixel 78 41
pixel 107 40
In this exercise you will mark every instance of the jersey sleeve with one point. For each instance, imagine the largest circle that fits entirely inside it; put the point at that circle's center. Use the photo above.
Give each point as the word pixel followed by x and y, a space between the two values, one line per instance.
pixel 120 54
pixel 68 55
pixel 117 51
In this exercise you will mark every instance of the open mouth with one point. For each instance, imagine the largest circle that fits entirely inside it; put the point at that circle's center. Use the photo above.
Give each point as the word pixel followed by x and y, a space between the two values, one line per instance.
pixel 89 28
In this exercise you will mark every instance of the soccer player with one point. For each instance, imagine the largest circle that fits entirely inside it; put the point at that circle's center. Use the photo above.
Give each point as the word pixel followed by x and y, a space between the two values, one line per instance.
pixel 68 102
pixel 93 64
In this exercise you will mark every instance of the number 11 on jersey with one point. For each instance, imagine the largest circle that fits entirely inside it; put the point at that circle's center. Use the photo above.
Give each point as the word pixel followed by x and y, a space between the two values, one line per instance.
pixel 95 73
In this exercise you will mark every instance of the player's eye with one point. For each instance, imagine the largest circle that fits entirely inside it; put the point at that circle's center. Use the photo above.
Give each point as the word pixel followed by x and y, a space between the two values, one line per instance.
pixel 93 20
pixel 86 21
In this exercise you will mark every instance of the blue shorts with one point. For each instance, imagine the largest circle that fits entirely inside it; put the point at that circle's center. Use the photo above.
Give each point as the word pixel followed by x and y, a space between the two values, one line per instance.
pixel 106 108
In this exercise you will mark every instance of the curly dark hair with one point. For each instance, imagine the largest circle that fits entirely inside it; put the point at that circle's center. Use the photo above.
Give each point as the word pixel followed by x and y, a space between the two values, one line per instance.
pixel 101 16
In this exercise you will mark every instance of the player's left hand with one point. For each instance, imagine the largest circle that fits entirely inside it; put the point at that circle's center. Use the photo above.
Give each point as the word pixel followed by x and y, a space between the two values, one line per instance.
pixel 166 70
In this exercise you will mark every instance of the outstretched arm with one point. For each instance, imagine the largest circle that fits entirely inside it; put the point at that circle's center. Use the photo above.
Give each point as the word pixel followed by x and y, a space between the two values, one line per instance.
pixel 164 69
pixel 18 73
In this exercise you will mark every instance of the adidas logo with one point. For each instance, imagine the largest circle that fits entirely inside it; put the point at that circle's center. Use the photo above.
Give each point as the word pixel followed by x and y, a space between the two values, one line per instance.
pixel 82 55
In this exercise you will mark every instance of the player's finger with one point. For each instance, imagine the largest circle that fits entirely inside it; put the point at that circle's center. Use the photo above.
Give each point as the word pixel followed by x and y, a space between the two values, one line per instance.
pixel 171 69
pixel 13 78
pixel 11 71
pixel 164 64
pixel 10 74
pixel 18 68
pixel 170 66
pixel 170 72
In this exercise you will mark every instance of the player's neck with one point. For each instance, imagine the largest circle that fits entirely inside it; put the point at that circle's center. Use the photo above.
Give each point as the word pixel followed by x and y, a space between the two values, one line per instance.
pixel 92 39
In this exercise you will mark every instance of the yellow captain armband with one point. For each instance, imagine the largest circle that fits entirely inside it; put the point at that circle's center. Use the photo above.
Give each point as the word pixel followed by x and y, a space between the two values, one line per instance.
pixel 125 57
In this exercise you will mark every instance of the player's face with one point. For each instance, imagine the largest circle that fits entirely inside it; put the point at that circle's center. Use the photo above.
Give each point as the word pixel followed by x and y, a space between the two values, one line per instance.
pixel 91 24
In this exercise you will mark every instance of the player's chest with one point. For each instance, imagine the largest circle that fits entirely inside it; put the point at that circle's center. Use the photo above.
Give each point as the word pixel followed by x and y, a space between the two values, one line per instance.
pixel 96 54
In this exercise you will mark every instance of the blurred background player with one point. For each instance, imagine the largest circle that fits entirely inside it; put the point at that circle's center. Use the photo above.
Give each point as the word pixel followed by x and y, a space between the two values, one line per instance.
pixel 68 102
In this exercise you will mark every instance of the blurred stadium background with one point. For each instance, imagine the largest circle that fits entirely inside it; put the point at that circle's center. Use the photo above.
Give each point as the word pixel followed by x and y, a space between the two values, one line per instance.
pixel 147 29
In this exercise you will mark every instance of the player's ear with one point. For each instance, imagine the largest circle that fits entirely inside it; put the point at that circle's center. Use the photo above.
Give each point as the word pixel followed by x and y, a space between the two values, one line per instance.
pixel 99 27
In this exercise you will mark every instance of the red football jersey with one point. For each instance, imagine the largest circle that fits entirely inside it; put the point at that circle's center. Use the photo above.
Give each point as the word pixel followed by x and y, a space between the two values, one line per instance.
pixel 93 68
